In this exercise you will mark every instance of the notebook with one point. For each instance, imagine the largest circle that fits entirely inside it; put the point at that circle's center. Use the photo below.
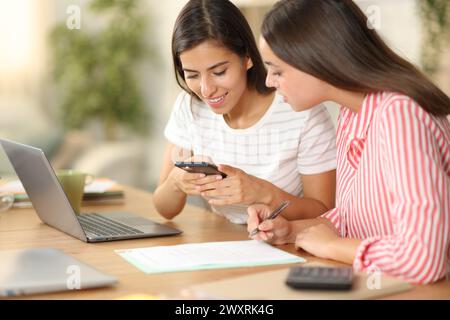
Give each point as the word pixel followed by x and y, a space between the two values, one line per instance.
pixel 271 285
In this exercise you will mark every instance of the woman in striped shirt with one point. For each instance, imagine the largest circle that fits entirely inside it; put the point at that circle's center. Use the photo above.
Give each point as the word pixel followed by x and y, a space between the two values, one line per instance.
pixel 392 210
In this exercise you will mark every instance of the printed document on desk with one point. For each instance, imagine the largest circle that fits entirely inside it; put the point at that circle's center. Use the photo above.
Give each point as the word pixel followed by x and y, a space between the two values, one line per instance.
pixel 209 255
pixel 102 191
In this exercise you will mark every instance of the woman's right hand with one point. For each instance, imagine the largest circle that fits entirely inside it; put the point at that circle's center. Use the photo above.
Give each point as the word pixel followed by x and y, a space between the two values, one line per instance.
pixel 276 231
pixel 187 182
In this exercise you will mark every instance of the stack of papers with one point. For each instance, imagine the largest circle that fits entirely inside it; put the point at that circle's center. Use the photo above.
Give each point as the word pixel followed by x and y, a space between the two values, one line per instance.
pixel 211 255
pixel 100 191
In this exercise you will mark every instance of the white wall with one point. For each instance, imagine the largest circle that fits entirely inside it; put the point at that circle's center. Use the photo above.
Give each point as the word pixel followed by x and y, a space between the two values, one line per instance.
pixel 399 27
pixel 161 81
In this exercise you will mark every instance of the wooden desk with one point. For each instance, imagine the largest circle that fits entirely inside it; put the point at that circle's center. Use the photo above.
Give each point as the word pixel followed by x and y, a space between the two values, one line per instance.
pixel 21 228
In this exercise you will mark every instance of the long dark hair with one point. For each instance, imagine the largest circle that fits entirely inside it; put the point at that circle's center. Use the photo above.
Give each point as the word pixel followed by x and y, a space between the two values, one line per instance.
pixel 220 20
pixel 332 41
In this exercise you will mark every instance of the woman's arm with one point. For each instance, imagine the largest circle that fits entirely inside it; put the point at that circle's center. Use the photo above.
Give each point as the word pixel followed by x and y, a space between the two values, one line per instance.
pixel 418 248
pixel 175 184
pixel 316 152
pixel 318 236
pixel 323 241
pixel 239 187
pixel 169 200
pixel 280 230
pixel 419 188
pixel 318 196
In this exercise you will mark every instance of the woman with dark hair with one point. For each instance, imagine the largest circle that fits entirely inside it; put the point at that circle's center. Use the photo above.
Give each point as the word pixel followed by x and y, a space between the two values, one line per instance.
pixel 393 142
pixel 227 115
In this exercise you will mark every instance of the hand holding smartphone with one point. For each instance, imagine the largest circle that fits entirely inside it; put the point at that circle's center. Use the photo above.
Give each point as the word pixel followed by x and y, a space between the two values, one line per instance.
pixel 200 167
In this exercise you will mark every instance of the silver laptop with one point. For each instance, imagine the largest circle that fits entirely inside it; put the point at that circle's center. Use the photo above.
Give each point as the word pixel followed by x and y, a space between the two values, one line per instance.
pixel 53 207
pixel 43 270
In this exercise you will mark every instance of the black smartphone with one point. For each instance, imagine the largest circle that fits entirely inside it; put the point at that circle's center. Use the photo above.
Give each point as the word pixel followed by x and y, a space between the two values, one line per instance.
pixel 200 167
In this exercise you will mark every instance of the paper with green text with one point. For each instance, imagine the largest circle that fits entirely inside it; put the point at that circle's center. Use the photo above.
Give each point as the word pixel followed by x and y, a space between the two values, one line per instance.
pixel 209 255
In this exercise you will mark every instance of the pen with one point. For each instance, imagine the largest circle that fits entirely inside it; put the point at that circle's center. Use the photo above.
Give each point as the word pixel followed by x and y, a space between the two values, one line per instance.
pixel 272 216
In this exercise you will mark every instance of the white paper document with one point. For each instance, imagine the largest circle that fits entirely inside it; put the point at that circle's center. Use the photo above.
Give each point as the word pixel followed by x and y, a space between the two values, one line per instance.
pixel 210 255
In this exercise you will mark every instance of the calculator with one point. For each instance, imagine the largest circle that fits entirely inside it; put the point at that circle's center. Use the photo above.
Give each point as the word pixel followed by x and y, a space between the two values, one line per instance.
pixel 324 278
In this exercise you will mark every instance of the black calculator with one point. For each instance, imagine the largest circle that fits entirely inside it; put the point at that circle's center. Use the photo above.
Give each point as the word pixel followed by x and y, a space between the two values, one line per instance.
pixel 324 278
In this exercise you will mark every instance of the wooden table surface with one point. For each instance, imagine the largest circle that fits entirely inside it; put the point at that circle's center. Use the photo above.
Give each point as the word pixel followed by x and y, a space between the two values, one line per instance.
pixel 21 228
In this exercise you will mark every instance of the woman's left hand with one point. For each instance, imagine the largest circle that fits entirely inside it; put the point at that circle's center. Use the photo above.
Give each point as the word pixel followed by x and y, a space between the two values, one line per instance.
pixel 318 240
pixel 237 188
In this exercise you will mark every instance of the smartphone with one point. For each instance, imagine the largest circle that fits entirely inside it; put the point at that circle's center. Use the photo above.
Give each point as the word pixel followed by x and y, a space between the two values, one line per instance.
pixel 200 167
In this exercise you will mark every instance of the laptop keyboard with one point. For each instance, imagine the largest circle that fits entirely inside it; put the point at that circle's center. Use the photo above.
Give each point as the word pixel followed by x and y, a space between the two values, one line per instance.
pixel 99 225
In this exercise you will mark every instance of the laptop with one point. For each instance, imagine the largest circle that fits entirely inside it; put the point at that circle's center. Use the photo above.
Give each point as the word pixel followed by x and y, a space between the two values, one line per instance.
pixel 53 207
pixel 44 270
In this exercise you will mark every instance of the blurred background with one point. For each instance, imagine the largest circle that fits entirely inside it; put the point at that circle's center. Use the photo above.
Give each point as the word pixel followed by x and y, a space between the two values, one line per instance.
pixel 91 81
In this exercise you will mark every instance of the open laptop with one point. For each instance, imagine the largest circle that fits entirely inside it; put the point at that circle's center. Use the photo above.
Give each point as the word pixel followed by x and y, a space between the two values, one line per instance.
pixel 53 207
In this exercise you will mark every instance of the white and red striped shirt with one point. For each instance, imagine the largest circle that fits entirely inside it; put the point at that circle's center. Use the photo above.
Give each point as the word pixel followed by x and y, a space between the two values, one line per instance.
pixel 393 187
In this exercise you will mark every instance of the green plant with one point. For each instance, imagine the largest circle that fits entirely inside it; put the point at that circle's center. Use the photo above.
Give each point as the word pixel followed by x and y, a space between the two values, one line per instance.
pixel 435 15
pixel 96 70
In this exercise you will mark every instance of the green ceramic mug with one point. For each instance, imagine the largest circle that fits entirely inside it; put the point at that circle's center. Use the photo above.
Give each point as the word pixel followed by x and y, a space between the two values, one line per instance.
pixel 73 183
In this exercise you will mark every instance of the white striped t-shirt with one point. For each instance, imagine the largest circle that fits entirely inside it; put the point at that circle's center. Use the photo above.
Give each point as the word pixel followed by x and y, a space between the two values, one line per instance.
pixel 280 147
